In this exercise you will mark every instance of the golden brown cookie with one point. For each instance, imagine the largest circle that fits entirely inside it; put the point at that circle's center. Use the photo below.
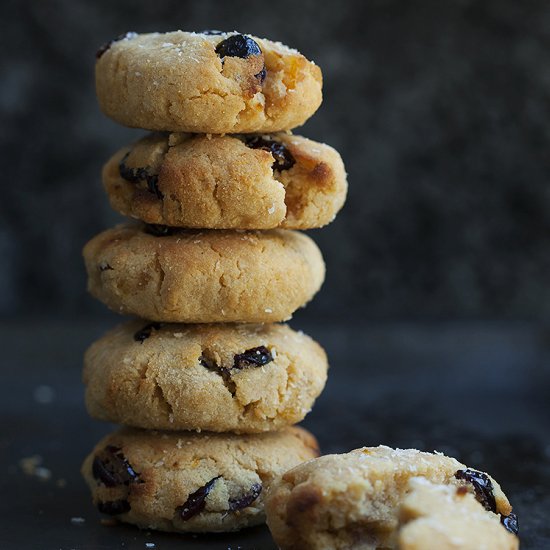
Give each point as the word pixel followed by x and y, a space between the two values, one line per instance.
pixel 353 500
pixel 206 83
pixel 188 482
pixel 227 182
pixel 220 378
pixel 209 276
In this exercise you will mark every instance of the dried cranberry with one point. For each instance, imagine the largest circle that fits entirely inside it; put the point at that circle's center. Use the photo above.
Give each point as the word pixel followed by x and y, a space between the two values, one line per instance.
pixel 107 45
pixel 511 523
pixel 255 357
pixel 483 487
pixel 111 468
pixel 146 331
pixel 196 501
pixel 261 75
pixel 158 230
pixel 238 45
pixel 246 500
pixel 283 158
pixel 139 175
pixel 113 507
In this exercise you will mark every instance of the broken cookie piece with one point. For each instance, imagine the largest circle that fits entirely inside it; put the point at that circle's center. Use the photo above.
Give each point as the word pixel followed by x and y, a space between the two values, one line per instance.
pixel 355 500
pixel 446 517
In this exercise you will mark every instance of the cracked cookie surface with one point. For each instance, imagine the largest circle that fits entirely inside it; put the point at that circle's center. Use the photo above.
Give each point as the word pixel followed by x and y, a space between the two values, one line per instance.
pixel 189 82
pixel 238 378
pixel 227 182
pixel 209 276
pixel 188 482
pixel 353 500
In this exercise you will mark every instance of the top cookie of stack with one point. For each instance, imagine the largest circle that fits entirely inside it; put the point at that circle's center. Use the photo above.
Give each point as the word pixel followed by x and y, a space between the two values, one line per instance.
pixel 193 85
pixel 208 82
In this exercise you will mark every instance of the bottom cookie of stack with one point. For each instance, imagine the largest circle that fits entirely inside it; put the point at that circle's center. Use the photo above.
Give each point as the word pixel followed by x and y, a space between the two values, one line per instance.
pixel 189 482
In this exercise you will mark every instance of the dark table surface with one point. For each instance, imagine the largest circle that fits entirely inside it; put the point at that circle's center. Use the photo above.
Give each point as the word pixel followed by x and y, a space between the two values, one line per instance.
pixel 478 391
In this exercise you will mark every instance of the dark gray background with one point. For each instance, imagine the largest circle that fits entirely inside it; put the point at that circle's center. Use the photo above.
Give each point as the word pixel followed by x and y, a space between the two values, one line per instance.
pixel 440 110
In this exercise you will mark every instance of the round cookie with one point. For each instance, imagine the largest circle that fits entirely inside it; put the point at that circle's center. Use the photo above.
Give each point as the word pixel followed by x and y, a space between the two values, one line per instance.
pixel 227 182
pixel 444 517
pixel 220 378
pixel 191 482
pixel 353 500
pixel 206 83
pixel 209 276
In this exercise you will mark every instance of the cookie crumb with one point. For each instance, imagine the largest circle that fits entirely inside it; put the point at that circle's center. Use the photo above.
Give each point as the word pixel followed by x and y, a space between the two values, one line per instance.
pixel 32 467
pixel 43 473
pixel 44 394
pixel 78 520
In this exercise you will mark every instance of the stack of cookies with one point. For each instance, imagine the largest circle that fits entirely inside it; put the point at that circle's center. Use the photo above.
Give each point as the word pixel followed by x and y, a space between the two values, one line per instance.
pixel 206 381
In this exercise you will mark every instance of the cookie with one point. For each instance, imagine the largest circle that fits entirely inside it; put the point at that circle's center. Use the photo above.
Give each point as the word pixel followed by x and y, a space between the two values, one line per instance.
pixel 209 276
pixel 353 500
pixel 206 83
pixel 220 378
pixel 444 517
pixel 188 482
pixel 227 182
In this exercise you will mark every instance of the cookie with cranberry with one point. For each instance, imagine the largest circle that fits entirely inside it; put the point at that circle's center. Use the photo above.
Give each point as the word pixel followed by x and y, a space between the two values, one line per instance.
pixel 190 276
pixel 189 482
pixel 219 378
pixel 206 83
pixel 355 500
pixel 227 182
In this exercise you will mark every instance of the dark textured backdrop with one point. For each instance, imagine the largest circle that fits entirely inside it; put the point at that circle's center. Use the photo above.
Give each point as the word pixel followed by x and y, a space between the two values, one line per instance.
pixel 440 109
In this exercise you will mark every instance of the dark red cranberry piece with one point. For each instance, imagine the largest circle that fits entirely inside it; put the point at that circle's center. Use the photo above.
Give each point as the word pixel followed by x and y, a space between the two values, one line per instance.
pixel 111 468
pixel 511 523
pixel 483 487
pixel 246 500
pixel 255 357
pixel 159 230
pixel 283 158
pixel 238 45
pixel 261 75
pixel 113 507
pixel 104 266
pixel 146 331
pixel 139 175
pixel 196 501
pixel 107 45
